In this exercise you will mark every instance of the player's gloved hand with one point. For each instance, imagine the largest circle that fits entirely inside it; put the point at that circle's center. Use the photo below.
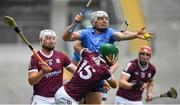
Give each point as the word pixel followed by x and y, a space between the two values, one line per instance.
pixel 106 86
pixel 137 84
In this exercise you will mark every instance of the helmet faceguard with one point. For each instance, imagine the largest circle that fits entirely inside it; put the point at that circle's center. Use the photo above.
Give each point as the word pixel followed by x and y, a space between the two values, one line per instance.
pixel 43 35
pixel 109 52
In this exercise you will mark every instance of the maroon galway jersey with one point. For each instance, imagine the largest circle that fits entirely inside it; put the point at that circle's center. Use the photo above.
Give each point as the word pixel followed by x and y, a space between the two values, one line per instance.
pixel 52 81
pixel 90 71
pixel 136 74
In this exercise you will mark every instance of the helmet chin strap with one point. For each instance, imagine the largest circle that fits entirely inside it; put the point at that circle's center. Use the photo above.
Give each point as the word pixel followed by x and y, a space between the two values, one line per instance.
pixel 101 29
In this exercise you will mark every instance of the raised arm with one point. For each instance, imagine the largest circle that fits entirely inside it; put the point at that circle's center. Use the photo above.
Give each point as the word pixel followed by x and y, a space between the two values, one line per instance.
pixel 68 36
pixel 123 81
pixel 78 48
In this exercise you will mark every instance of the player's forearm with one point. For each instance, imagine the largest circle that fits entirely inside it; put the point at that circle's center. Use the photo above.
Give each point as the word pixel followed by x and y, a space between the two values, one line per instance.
pixel 129 35
pixel 125 84
pixel 72 69
pixel 114 67
pixel 67 34
pixel 78 47
pixel 35 78
pixel 150 87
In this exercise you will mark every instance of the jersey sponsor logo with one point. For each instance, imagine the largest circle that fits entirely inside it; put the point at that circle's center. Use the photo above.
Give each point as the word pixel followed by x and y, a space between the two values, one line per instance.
pixel 53 74
pixel 57 60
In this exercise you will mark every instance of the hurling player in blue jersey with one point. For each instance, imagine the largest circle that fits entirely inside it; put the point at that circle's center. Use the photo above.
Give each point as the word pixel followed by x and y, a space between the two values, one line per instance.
pixel 96 35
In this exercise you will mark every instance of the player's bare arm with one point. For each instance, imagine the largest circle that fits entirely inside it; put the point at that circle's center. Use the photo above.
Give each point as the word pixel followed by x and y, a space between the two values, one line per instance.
pixel 72 68
pixel 123 82
pixel 35 76
pixel 128 35
pixel 68 36
pixel 112 82
pixel 114 67
pixel 78 48
pixel 150 86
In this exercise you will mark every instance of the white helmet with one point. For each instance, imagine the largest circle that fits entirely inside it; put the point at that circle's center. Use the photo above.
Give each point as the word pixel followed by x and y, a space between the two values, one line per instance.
pixel 46 32
pixel 97 14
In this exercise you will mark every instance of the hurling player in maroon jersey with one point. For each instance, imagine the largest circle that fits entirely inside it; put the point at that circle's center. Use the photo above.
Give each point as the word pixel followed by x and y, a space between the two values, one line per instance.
pixel 137 76
pixel 46 79
pixel 92 68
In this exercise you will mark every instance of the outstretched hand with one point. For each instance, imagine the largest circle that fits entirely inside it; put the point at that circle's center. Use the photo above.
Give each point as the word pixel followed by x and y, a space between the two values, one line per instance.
pixel 144 35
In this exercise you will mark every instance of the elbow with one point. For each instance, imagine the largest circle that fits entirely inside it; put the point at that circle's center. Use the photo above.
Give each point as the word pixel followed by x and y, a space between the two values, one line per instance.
pixel 64 38
pixel 31 82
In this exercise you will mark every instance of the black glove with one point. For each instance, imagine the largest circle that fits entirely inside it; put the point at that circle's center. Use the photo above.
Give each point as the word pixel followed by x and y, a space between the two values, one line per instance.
pixel 137 84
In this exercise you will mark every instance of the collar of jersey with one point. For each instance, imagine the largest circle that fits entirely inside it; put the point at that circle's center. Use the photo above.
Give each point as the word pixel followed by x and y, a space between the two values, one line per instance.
pixel 143 69
pixel 48 56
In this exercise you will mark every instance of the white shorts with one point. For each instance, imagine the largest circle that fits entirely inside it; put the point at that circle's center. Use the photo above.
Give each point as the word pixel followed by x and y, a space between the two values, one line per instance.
pixel 40 100
pixel 61 97
pixel 122 101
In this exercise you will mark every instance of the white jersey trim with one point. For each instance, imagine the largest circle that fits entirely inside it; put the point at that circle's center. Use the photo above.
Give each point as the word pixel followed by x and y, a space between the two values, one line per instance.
pixel 127 66
pixel 32 70
pixel 143 69
pixel 69 65
pixel 82 51
pixel 109 78
pixel 127 74
pixel 48 56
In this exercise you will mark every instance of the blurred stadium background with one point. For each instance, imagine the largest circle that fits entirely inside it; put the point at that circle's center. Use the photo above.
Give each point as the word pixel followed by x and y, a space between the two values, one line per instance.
pixel 159 16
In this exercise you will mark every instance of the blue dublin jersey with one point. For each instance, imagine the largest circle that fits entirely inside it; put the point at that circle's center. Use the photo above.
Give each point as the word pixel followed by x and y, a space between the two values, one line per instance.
pixel 91 40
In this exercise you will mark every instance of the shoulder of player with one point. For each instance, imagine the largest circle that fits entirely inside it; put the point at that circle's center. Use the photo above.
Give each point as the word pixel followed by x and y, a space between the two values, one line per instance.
pixel 134 62
pixel 85 50
pixel 152 66
pixel 58 52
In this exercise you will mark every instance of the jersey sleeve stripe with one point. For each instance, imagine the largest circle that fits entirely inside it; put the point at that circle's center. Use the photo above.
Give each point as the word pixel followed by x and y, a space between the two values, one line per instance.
pixel 126 73
pixel 82 51
pixel 32 70
pixel 127 67
pixel 69 65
